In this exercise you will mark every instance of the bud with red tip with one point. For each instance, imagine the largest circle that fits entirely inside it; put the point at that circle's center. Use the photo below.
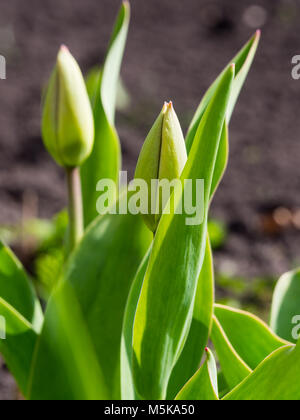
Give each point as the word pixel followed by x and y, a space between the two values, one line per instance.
pixel 163 156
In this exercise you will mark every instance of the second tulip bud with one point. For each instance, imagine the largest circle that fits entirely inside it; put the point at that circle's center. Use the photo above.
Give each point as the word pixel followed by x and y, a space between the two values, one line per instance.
pixel 68 123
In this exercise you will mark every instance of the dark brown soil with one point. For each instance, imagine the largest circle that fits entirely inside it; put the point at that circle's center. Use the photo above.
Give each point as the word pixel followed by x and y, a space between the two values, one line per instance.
pixel 175 50
pixel 8 388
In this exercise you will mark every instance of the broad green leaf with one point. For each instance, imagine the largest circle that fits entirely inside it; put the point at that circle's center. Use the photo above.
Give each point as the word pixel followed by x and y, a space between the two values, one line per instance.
pixel 101 272
pixel 203 386
pixel 21 310
pixel 275 379
pixel 223 386
pixel 92 81
pixel 18 346
pixel 65 366
pixel 191 356
pixel 221 161
pixel 17 290
pixel 285 314
pixel 165 308
pixel 192 353
pixel 251 338
pixel 243 61
pixel 234 369
pixel 105 160
pixel 127 383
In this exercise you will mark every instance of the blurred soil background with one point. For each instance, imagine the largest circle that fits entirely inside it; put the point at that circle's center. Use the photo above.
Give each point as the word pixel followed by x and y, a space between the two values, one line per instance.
pixel 175 50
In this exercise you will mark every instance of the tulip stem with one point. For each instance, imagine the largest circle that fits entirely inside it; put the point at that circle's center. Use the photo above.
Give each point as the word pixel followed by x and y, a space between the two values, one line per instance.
pixel 75 208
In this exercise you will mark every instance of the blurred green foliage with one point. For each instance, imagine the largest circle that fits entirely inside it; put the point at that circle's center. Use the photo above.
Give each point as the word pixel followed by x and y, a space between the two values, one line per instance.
pixel 252 295
pixel 217 233
pixel 48 236
pixel 45 239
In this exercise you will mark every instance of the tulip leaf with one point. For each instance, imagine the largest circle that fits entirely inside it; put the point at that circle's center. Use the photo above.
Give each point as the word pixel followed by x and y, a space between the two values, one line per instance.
pixel 234 369
pixel 285 314
pixel 65 366
pixel 17 290
pixel 203 386
pixel 191 356
pixel 21 313
pixel 101 272
pixel 198 336
pixel 166 304
pixel 251 338
pixel 18 346
pixel 127 382
pixel 275 379
pixel 243 61
pixel 105 160
pixel 221 161
pixel 92 81
pixel 107 260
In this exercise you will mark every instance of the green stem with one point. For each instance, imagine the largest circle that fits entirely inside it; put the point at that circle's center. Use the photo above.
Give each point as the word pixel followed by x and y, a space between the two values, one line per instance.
pixel 75 208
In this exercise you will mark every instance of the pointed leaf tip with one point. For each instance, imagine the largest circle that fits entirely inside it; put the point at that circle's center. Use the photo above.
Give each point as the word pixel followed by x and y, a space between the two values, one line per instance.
pixel 126 3
pixel 64 48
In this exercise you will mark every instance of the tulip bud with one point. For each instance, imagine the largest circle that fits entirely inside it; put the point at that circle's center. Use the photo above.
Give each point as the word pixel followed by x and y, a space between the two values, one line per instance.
pixel 68 124
pixel 163 157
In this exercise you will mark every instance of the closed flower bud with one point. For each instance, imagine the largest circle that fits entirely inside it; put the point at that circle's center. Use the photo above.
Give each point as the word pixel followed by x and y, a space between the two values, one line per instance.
pixel 68 124
pixel 163 157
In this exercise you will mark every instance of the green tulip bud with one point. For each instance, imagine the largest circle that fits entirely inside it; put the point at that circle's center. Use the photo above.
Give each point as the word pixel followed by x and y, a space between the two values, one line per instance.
pixel 68 124
pixel 163 157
